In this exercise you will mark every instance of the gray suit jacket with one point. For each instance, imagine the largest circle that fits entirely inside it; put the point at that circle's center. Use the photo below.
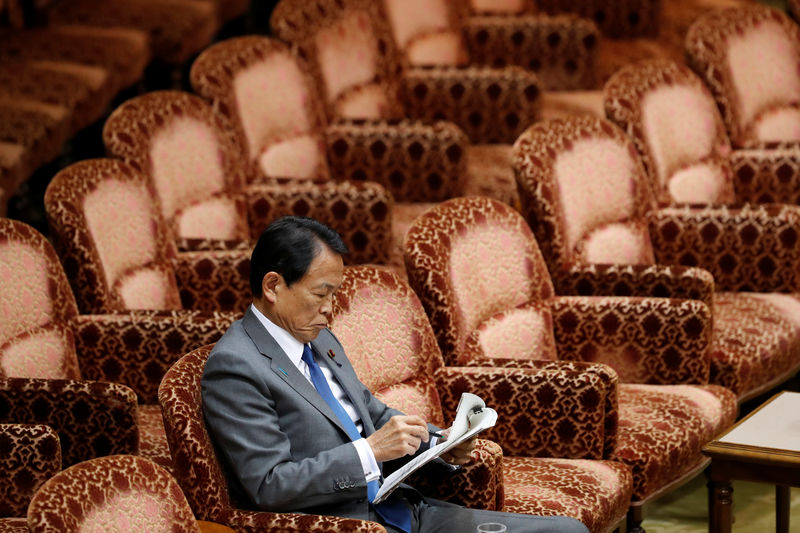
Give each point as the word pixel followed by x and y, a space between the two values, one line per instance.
pixel 283 447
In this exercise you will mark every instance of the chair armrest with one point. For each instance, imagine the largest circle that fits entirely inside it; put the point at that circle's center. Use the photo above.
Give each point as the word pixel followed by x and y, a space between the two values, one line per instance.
pixel 750 248
pixel 414 161
pixel 92 419
pixel 137 348
pixel 490 105
pixel 559 49
pixel 260 521
pixel 359 211
pixel 767 175
pixel 31 453
pixel 477 485
pixel 660 281
pixel 547 412
pixel 214 280
pixel 646 340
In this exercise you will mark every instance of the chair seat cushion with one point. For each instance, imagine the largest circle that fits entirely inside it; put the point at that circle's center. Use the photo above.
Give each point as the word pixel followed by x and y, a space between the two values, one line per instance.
pixel 153 437
pixel 756 339
pixel 489 173
pixel 595 492
pixel 662 429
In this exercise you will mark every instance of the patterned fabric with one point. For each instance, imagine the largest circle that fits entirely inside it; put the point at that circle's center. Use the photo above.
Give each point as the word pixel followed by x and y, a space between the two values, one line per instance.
pixel 542 410
pixel 794 8
pixel 748 55
pixel 177 30
pixel 117 493
pixel 199 472
pixel 548 208
pixel 192 157
pixel 29 455
pixel 616 18
pixel 91 418
pixel 14 525
pixel 214 280
pixel 767 175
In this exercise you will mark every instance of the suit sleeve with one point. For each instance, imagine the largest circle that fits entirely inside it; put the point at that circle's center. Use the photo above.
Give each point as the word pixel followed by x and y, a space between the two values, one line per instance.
pixel 240 412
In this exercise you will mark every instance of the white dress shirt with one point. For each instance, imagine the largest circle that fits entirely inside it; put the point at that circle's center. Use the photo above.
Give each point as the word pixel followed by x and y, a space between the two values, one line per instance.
pixel 294 349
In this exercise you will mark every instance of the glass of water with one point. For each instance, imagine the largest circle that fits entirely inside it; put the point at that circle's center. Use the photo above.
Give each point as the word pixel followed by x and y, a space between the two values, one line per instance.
pixel 491 527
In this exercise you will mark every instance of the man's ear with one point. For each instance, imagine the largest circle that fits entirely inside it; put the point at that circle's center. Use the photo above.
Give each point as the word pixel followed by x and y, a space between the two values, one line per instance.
pixel 269 286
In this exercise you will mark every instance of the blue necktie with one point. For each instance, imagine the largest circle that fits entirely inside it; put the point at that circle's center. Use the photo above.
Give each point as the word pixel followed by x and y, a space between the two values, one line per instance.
pixel 393 511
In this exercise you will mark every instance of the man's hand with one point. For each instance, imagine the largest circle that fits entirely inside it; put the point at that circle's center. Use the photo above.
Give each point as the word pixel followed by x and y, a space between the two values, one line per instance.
pixel 461 454
pixel 400 436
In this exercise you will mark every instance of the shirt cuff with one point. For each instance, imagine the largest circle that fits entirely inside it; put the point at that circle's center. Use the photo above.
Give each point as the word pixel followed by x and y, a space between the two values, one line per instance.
pixel 368 463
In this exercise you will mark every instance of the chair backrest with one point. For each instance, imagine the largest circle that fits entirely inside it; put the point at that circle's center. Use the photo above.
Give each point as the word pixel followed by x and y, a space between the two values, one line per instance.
pixel 676 128
pixel 480 276
pixel 196 466
pixel 271 102
pixel 192 157
pixel 113 493
pixel 107 226
pixel 389 341
pixel 748 56
pixel 36 307
pixel 428 32
pixel 31 455
pixel 350 53
pixel 584 192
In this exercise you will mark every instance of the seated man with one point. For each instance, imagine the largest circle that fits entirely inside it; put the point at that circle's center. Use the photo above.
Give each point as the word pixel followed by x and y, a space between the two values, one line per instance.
pixel 299 433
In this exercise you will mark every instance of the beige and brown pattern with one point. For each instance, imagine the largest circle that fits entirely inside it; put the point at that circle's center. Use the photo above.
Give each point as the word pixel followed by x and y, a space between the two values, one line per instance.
pixel 677 129
pixel 199 472
pixel 587 199
pixel 115 493
pixel 29 455
pixel 548 410
pixel 748 57
pixel 793 7
pixel 616 18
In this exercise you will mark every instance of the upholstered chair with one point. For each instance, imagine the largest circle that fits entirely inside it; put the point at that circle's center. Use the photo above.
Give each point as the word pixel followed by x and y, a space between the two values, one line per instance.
pixel 557 421
pixel 590 206
pixel 200 473
pixel 361 74
pixel 176 30
pixel 748 57
pixel 558 49
pixel 29 455
pixel 679 134
pixel 206 186
pixel 115 493
pixel 118 253
pixel 484 284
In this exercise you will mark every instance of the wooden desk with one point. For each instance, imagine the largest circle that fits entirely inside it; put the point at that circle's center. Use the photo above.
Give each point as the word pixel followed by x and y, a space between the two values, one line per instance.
pixel 762 447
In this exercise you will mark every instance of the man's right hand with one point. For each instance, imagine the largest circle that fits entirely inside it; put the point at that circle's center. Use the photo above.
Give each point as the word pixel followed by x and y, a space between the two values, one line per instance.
pixel 400 436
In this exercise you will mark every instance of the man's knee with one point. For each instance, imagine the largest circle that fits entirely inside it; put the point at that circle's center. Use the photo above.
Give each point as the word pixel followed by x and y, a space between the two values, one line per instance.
pixel 570 525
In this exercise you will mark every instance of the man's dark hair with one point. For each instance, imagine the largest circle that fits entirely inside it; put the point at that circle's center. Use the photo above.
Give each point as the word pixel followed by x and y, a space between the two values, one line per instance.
pixel 288 246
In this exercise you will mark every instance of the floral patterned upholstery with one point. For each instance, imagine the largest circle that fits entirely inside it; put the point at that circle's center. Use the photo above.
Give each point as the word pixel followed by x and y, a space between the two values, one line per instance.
pixel 442 33
pixel 677 129
pixel 359 71
pixel 177 29
pixel 402 365
pixel 748 57
pixel 118 253
pixel 200 473
pixel 115 493
pixel 616 18
pixel 581 181
pixel 29 455
pixel 478 270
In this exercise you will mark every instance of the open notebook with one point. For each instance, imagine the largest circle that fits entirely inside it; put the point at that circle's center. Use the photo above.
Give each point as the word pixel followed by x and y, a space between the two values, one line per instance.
pixel 472 417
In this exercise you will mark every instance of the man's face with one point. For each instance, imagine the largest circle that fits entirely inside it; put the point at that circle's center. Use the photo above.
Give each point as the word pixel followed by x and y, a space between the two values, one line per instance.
pixel 303 309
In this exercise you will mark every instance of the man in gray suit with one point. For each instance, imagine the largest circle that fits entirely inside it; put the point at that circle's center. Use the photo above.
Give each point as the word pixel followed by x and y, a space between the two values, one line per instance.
pixel 295 428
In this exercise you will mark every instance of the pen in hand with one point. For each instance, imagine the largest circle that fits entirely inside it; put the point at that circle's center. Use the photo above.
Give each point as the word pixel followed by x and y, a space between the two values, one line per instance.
pixel 435 434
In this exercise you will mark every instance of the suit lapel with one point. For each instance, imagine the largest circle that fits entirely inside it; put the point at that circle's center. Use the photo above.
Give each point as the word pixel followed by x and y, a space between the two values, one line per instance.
pixel 284 368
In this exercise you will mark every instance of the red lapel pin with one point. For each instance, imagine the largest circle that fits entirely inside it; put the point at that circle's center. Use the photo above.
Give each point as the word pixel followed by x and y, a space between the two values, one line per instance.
pixel 331 354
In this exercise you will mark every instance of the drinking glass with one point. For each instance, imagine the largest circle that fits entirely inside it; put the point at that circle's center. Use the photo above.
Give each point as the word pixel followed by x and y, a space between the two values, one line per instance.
pixel 491 527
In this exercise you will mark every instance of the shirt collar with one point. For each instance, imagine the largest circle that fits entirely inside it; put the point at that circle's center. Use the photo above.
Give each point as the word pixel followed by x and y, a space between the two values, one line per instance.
pixel 290 345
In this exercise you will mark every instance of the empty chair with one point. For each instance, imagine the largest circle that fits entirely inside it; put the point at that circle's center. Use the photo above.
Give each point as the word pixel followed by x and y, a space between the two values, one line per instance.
pixel 483 282
pixel 389 341
pixel 589 204
pixel 679 134
pixel 115 494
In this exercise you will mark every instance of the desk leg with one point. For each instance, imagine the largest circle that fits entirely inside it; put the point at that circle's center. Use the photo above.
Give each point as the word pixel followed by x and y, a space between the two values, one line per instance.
pixel 782 500
pixel 720 503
